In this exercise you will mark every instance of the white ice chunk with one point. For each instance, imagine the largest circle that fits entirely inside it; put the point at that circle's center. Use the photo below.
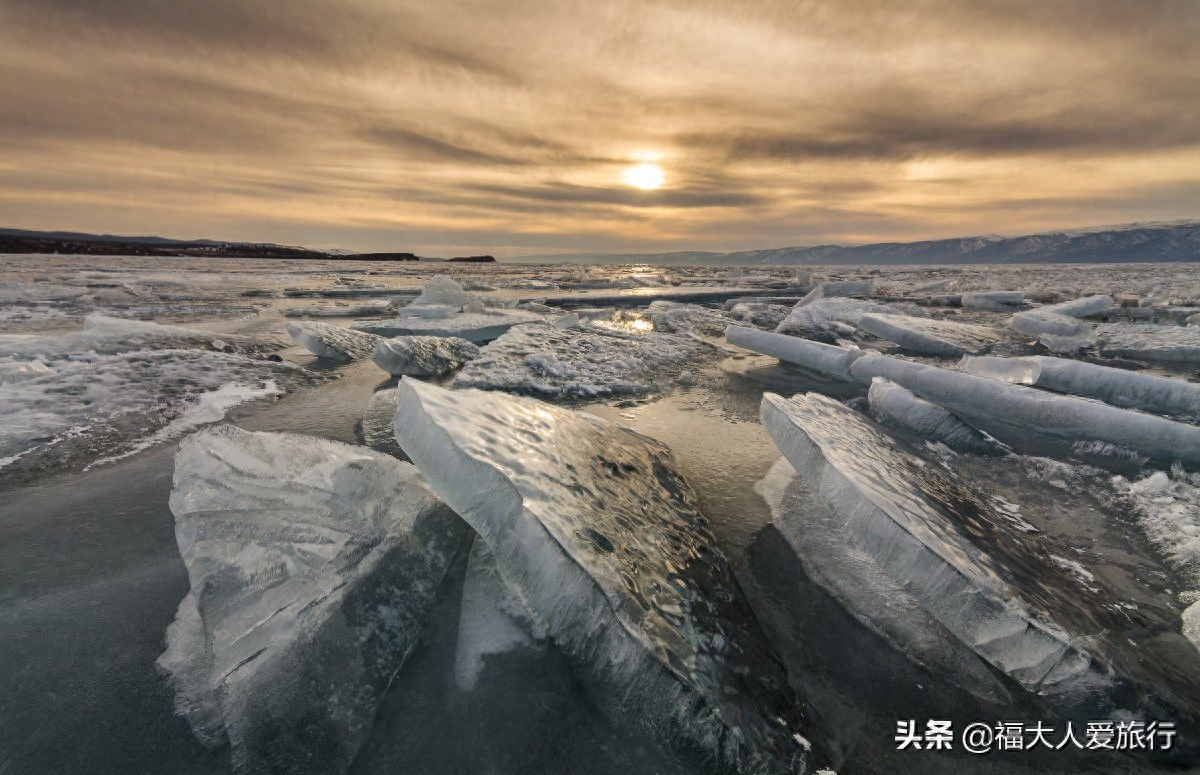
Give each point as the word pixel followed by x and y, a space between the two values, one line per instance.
pixel 442 291
pixel 672 317
pixel 333 342
pixel 931 336
pixel 1037 323
pixel 1119 387
pixel 832 289
pixel 423 356
pixel 909 517
pixel 893 405
pixel 312 566
pixel 823 358
pixel 581 362
pixel 1021 416
pixel 23 371
pixel 595 529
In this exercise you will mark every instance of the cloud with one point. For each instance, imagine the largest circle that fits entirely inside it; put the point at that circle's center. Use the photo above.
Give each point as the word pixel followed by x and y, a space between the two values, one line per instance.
pixel 472 123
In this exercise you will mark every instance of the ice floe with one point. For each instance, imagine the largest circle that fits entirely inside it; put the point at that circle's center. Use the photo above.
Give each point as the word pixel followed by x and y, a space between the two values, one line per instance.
pixel 312 566
pixel 827 359
pixel 1171 344
pixel 599 534
pixel 828 319
pixel 895 406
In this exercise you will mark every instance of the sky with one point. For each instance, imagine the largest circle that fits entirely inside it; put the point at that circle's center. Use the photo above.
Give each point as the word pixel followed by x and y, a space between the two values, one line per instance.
pixel 451 127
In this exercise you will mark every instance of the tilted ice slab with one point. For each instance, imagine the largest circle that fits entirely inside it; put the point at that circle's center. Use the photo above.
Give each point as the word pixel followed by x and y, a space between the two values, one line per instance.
pixel 986 575
pixel 1172 344
pixel 376 428
pixel 443 291
pixel 1079 308
pixel 107 336
pixel 1022 416
pixel 893 405
pixel 931 336
pixel 585 362
pixel 827 359
pixel 760 314
pixel 473 326
pixel 830 290
pixel 312 567
pixel 333 342
pixel 832 558
pixel 828 319
pixel 1038 323
pixel 1119 387
pixel 593 527
pixel 493 619
pixel 423 356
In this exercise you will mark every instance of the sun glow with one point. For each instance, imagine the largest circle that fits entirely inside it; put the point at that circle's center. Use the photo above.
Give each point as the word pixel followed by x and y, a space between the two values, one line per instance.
pixel 645 176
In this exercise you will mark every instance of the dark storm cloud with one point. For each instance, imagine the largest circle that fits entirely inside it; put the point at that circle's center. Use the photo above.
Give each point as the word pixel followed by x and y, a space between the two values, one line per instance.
pixel 477 123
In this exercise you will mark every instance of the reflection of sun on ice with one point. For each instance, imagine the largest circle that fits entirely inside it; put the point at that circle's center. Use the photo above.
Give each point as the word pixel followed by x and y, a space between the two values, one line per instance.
pixel 645 176
pixel 641 325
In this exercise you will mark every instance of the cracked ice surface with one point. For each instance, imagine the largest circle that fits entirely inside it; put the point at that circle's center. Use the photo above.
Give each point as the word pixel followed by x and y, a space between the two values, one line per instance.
pixel 312 565
pixel 586 362
pixel 600 536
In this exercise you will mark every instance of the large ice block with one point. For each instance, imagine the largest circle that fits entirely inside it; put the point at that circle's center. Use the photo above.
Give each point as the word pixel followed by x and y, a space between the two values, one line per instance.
pixel 826 359
pixel 594 528
pixel 827 319
pixel 1119 387
pixel 1025 417
pixel 931 336
pixel 986 575
pixel 1170 344
pixel 312 566
pixel 475 327
pixel 1080 308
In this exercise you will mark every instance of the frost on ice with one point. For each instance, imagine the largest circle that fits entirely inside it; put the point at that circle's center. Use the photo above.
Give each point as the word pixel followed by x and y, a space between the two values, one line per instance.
pixel 588 362
pixel 893 405
pixel 312 566
pixel 1024 417
pixel 930 336
pixel 109 336
pixel 1011 593
pixel 325 340
pixel 1119 387
pixel 592 525
pixel 674 318
pixel 423 356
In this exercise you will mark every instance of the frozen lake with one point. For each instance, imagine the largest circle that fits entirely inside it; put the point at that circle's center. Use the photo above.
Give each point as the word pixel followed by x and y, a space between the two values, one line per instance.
pixel 766 598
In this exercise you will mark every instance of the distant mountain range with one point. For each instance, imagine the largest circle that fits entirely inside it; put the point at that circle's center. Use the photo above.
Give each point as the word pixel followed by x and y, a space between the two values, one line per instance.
pixel 1131 243
pixel 1138 242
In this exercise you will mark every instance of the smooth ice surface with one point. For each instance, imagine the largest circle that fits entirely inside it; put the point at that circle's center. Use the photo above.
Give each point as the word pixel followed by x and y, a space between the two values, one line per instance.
pixel 585 362
pixel 985 574
pixel 423 356
pixel 333 342
pixel 1038 323
pixel 312 565
pixel 828 319
pixel 1020 415
pixel 493 619
pixel 931 336
pixel 1172 344
pixel 991 301
pixel 1119 387
pixel 893 405
pixel 599 534
pixel 377 422
pixel 473 326
pixel 823 358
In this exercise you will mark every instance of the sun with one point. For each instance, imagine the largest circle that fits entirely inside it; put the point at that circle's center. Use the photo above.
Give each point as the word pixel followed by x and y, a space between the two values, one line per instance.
pixel 645 176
